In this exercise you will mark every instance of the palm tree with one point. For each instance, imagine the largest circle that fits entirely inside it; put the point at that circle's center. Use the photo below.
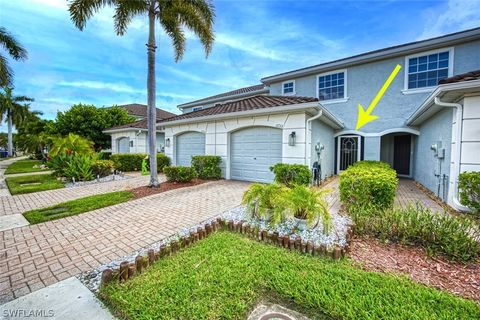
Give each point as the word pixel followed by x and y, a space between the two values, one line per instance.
pixel 15 112
pixel 15 50
pixel 172 15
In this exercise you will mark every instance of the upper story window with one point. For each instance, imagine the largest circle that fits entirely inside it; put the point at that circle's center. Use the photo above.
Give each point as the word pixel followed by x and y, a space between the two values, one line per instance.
pixel 288 88
pixel 426 70
pixel 331 86
pixel 197 108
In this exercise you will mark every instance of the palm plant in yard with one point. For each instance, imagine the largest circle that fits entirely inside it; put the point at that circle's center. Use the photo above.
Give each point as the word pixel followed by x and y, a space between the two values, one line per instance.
pixel 173 15
pixel 260 199
pixel 14 111
pixel 15 50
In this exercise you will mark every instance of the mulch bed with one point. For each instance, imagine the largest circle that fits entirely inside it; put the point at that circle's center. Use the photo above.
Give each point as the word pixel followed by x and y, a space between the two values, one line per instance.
pixel 146 191
pixel 457 278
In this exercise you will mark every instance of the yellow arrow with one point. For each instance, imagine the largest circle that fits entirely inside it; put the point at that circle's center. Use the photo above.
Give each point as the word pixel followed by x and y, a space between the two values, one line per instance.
pixel 364 116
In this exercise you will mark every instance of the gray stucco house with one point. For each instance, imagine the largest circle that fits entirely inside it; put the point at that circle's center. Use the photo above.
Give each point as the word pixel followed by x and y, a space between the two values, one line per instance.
pixel 428 127
pixel 132 137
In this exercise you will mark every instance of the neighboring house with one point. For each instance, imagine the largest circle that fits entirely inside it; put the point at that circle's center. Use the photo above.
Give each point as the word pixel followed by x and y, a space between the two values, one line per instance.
pixel 132 137
pixel 309 115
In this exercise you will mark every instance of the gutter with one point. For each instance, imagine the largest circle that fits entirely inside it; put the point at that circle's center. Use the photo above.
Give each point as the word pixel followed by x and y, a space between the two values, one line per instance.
pixel 307 130
pixel 458 150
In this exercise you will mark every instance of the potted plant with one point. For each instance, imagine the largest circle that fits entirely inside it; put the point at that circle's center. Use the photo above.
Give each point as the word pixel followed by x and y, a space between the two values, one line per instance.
pixel 260 199
pixel 307 205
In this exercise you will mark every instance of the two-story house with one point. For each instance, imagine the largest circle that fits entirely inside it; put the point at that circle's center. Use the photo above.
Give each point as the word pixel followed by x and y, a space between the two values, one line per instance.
pixel 425 130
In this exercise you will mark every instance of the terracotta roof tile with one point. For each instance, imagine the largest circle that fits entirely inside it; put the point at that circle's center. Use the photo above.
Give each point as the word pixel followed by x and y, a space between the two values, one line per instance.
pixel 235 92
pixel 469 76
pixel 137 109
pixel 250 103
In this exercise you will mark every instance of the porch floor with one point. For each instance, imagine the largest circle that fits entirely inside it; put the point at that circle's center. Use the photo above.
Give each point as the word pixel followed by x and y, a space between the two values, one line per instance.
pixel 407 193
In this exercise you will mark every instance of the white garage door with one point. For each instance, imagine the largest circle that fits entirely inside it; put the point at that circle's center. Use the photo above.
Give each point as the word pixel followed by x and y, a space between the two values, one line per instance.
pixel 253 151
pixel 123 145
pixel 189 144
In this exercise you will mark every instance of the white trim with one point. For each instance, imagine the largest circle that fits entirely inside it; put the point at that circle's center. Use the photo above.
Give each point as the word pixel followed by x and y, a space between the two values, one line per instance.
pixel 359 155
pixel 377 134
pixel 289 93
pixel 451 53
pixel 345 91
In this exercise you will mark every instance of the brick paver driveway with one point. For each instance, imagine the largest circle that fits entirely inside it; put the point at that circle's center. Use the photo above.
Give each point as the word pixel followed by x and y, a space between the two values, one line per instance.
pixel 25 202
pixel 35 256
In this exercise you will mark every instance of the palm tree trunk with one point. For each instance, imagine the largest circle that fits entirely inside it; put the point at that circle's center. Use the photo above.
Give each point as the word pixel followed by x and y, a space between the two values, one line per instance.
pixel 10 135
pixel 152 111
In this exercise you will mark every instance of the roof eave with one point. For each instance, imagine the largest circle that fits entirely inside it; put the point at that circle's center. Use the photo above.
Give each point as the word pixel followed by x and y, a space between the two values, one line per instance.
pixel 268 110
pixel 411 48
pixel 234 97
pixel 418 116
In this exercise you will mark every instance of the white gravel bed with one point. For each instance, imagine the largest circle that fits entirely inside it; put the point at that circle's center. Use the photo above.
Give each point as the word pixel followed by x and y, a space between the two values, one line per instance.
pixel 336 236
pixel 112 177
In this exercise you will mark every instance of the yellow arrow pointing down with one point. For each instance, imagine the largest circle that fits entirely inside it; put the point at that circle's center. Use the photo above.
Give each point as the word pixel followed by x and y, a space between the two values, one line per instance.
pixel 365 117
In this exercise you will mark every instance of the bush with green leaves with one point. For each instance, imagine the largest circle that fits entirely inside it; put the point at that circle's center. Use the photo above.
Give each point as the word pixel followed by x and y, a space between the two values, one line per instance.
pixel 291 174
pixel 79 167
pixel 207 167
pixel 469 190
pixel 439 233
pixel 128 161
pixel 162 161
pixel 180 174
pixel 102 168
pixel 368 183
pixel 261 199
pixel 70 144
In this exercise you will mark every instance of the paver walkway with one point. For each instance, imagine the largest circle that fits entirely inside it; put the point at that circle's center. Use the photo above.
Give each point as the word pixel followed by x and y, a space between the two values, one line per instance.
pixel 36 256
pixel 25 202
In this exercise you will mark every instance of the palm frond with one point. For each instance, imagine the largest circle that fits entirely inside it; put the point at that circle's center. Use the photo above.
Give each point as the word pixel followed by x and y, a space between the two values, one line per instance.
pixel 171 25
pixel 82 10
pixel 14 48
pixel 6 73
pixel 125 10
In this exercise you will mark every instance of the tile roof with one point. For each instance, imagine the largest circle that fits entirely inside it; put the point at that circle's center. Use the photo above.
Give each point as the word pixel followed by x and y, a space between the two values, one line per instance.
pixel 140 124
pixel 468 76
pixel 235 92
pixel 250 103
pixel 137 109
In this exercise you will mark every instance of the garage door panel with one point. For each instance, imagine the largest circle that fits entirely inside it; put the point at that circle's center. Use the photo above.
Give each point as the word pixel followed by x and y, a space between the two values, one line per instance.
pixel 253 151
pixel 189 144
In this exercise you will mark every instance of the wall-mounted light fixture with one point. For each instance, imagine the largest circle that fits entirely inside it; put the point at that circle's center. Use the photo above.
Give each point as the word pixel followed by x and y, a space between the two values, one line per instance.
pixel 291 138
pixel 167 143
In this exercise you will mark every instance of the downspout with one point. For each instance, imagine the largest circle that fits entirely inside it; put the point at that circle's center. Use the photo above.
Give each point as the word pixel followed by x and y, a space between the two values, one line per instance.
pixel 309 121
pixel 458 149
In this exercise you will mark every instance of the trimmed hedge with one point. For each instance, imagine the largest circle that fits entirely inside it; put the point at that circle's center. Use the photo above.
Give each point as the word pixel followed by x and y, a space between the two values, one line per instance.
pixel 292 174
pixel 207 167
pixel 416 225
pixel 162 162
pixel 128 161
pixel 469 190
pixel 102 167
pixel 368 183
pixel 180 174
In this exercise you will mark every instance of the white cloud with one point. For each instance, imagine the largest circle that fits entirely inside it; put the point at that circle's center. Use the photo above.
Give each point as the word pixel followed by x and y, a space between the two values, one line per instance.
pixel 234 82
pixel 459 15
pixel 99 85
pixel 251 46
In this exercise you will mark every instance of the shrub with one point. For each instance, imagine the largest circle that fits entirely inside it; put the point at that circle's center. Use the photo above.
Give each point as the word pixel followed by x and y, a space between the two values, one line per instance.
pixel 260 199
pixel 416 225
pixel 180 174
pixel 102 167
pixel 291 174
pixel 469 190
pixel 78 166
pixel 368 183
pixel 71 144
pixel 162 161
pixel 207 167
pixel 128 161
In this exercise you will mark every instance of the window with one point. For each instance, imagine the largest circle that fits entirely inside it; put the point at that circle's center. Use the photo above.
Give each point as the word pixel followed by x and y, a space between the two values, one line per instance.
pixel 197 108
pixel 331 86
pixel 426 70
pixel 288 87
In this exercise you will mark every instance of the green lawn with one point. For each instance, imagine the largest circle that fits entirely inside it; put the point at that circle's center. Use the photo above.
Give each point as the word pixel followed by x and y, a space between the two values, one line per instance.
pixel 24 166
pixel 70 208
pixel 32 183
pixel 225 275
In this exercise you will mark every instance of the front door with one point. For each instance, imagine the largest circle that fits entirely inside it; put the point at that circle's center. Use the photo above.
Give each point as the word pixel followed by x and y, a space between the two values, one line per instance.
pixel 349 151
pixel 401 154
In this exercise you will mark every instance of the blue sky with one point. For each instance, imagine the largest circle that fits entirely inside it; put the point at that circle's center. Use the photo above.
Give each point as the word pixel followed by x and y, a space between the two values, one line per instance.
pixel 254 39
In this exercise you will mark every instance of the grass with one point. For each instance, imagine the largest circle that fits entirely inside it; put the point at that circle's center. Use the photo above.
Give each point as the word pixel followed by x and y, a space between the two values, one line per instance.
pixel 225 275
pixel 74 207
pixel 24 166
pixel 32 183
